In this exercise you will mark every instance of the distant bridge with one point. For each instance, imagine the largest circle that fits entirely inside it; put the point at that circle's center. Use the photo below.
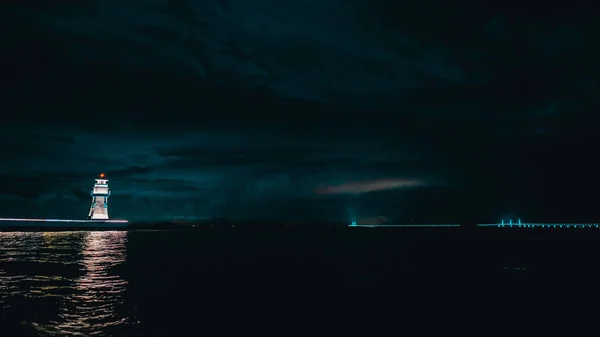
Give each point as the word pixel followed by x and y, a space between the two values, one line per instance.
pixel 509 224
pixel 520 224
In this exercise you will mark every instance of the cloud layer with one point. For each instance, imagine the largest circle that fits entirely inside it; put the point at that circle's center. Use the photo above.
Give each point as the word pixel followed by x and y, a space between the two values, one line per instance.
pixel 306 109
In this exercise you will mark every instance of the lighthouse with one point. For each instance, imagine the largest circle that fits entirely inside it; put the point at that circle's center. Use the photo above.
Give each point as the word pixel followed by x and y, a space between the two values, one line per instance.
pixel 100 194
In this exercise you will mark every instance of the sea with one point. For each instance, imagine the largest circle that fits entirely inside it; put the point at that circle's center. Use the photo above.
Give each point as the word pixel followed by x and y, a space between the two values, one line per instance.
pixel 281 282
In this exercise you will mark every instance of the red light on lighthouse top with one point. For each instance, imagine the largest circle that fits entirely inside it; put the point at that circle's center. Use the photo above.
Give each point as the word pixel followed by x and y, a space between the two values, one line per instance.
pixel 101 175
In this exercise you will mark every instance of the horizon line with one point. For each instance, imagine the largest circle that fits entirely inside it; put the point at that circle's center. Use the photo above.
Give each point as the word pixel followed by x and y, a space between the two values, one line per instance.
pixel 63 220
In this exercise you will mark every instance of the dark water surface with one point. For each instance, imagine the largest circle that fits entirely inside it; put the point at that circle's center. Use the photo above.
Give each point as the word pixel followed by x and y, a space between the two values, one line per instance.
pixel 176 283
pixel 63 282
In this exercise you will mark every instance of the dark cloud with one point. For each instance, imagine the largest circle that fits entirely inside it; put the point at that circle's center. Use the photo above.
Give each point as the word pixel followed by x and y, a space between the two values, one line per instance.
pixel 132 170
pixel 240 156
pixel 21 188
pixel 166 185
pixel 80 195
pixel 236 108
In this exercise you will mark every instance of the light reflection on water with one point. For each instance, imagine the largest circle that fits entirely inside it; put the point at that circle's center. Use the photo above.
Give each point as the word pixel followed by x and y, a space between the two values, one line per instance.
pixel 62 282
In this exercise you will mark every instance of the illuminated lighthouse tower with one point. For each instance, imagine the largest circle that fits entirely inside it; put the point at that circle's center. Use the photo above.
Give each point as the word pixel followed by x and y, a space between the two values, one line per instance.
pixel 100 194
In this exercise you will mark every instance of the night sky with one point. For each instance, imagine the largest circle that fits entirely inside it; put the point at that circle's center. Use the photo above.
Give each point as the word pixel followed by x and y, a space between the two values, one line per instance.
pixel 437 111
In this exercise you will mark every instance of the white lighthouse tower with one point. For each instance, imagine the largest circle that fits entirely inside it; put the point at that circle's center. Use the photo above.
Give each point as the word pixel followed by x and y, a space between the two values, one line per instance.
pixel 100 194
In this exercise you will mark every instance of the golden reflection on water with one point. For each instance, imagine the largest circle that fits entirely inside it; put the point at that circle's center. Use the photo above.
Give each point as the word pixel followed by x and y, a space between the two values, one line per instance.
pixel 74 269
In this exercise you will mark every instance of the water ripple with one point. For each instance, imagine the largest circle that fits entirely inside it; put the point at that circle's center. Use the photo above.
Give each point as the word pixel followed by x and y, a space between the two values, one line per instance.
pixel 61 282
